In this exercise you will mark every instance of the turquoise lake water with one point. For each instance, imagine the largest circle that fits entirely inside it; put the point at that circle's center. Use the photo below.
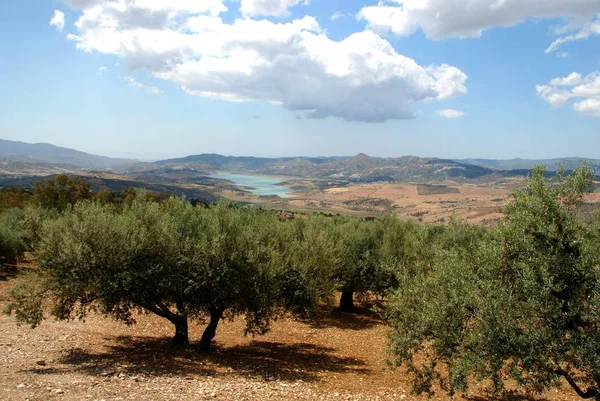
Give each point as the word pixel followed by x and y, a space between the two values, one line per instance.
pixel 264 186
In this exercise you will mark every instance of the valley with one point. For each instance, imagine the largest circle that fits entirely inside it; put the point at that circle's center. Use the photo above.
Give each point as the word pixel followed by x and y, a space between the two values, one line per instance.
pixel 427 190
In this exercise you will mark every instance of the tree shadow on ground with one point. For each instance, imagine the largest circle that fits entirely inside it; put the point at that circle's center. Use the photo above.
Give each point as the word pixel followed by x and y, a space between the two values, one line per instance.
pixel 13 271
pixel 359 319
pixel 149 356
pixel 8 272
pixel 288 362
pixel 507 396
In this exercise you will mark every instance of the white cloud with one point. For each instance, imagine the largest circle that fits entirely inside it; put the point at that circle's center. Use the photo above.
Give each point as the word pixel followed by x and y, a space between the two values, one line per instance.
pixel 81 4
pixel 585 89
pixel 551 94
pixel 450 113
pixel 572 79
pixel 103 69
pixel 136 84
pixel 440 19
pixel 292 64
pixel 58 20
pixel 268 7
pixel 588 106
pixel 580 32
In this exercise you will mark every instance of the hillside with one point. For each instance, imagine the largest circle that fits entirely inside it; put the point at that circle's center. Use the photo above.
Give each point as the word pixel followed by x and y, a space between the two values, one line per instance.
pixel 25 159
pixel 360 168
pixel 47 153
pixel 570 163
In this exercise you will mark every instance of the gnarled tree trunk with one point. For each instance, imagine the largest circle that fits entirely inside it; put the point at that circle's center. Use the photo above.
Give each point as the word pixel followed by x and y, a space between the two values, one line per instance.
pixel 211 330
pixel 179 320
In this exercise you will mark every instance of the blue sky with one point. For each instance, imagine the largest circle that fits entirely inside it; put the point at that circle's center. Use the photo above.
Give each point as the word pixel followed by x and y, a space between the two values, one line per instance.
pixel 282 78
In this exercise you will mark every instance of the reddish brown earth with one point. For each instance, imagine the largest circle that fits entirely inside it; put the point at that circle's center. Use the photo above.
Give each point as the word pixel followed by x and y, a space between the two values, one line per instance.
pixel 336 357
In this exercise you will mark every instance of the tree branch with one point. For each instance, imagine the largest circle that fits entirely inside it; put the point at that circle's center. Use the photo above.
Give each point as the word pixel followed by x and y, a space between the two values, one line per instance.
pixel 589 393
pixel 161 311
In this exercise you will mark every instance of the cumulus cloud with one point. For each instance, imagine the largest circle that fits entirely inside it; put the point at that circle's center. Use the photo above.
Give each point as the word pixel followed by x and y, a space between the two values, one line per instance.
pixel 585 91
pixel 570 80
pixel 292 64
pixel 58 20
pixel 588 106
pixel 268 7
pixel 440 19
pixel 450 113
pixel 136 84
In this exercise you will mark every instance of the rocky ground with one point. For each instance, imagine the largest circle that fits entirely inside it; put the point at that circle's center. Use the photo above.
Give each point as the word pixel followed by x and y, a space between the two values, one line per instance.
pixel 337 357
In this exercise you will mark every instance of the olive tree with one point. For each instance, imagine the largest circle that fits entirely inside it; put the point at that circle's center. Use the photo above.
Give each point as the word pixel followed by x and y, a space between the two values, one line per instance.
pixel 521 303
pixel 314 253
pixel 94 258
pixel 60 192
pixel 171 259
pixel 372 253
pixel 241 269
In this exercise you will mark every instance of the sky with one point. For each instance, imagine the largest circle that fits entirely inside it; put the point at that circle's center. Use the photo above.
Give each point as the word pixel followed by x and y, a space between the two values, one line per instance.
pixel 153 79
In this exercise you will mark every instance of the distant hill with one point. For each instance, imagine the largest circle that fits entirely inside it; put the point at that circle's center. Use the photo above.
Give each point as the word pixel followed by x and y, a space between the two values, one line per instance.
pixel 46 153
pixel 570 163
pixel 360 168
pixel 19 158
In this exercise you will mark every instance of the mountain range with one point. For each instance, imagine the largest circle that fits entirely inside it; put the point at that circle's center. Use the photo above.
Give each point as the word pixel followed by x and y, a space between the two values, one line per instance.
pixel 359 168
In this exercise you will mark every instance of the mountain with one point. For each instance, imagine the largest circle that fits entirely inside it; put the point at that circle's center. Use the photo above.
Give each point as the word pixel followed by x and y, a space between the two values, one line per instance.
pixel 570 163
pixel 359 168
pixel 46 153
pixel 19 158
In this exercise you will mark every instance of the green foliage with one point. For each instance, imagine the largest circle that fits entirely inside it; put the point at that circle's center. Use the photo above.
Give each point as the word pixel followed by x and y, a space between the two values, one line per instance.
pixel 13 198
pixel 171 259
pixel 104 197
pixel 519 303
pixel 12 236
pixel 60 192
pixel 33 218
pixel 311 246
pixel 373 254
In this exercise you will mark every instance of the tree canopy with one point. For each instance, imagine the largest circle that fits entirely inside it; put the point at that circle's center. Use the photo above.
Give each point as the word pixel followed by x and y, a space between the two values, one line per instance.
pixel 171 259
pixel 520 302
pixel 60 192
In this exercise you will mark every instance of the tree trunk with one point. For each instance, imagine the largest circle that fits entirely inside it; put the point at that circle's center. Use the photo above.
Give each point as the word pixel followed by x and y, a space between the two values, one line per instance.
pixel 211 330
pixel 347 301
pixel 180 321
pixel 180 339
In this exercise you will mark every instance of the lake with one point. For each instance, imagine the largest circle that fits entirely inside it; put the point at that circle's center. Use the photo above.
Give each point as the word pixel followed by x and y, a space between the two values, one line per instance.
pixel 263 186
